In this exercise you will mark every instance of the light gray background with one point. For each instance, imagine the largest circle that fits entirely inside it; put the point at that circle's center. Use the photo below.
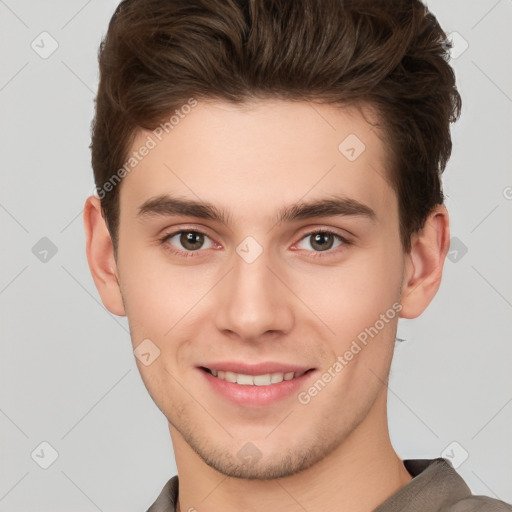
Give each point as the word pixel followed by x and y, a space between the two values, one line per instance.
pixel 68 374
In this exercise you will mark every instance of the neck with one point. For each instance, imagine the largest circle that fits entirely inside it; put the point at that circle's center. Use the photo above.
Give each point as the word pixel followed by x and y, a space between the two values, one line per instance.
pixel 357 476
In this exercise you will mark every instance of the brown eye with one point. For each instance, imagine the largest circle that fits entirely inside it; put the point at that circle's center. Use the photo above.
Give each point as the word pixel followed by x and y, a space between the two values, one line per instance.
pixel 186 242
pixel 191 240
pixel 321 241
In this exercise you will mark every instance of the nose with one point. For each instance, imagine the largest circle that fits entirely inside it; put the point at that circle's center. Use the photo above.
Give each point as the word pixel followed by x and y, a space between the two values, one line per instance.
pixel 254 299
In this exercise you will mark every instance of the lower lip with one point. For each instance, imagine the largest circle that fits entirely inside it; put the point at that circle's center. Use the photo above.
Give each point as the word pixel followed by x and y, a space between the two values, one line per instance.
pixel 256 396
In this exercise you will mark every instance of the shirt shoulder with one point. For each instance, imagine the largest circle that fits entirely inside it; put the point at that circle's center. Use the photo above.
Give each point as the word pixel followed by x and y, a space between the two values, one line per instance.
pixel 480 504
pixel 168 497
pixel 437 487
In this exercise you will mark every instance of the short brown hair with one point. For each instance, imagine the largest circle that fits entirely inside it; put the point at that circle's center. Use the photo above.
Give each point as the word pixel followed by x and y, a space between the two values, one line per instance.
pixel 389 54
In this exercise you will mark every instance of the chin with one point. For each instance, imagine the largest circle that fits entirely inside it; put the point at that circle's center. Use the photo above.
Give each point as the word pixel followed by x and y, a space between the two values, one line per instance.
pixel 249 463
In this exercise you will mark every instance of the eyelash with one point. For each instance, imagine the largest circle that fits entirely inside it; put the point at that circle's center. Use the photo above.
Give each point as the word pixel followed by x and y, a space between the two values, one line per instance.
pixel 192 254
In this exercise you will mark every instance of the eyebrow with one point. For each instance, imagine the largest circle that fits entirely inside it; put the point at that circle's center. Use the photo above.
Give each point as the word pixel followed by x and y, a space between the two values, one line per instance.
pixel 333 206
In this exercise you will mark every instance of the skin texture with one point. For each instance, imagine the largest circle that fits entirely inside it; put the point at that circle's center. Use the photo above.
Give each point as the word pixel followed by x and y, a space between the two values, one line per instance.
pixel 334 452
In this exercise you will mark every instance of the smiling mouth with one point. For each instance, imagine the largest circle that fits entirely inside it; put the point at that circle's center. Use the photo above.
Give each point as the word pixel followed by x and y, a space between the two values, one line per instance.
pixel 254 380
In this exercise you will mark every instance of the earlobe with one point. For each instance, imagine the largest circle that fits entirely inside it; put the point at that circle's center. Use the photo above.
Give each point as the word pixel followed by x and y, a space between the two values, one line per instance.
pixel 424 263
pixel 100 256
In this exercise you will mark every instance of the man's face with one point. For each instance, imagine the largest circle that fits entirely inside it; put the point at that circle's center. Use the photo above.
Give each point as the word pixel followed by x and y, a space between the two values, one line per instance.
pixel 256 291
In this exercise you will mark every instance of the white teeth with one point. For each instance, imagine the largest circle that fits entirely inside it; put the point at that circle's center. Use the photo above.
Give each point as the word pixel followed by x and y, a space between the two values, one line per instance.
pixel 230 376
pixel 245 380
pixel 262 380
pixel 255 380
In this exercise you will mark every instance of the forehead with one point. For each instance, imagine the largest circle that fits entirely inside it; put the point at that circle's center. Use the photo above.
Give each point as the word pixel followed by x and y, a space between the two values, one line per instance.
pixel 260 155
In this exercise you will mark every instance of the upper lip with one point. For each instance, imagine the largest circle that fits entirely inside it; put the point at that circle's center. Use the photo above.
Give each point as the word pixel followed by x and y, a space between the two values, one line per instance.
pixel 256 369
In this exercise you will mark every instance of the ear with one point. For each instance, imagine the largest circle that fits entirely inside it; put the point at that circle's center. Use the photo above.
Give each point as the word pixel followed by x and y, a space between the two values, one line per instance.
pixel 424 263
pixel 100 255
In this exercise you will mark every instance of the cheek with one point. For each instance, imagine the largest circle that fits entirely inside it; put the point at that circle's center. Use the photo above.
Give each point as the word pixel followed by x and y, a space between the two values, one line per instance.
pixel 351 297
pixel 160 296
pixel 146 293
pixel 360 306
